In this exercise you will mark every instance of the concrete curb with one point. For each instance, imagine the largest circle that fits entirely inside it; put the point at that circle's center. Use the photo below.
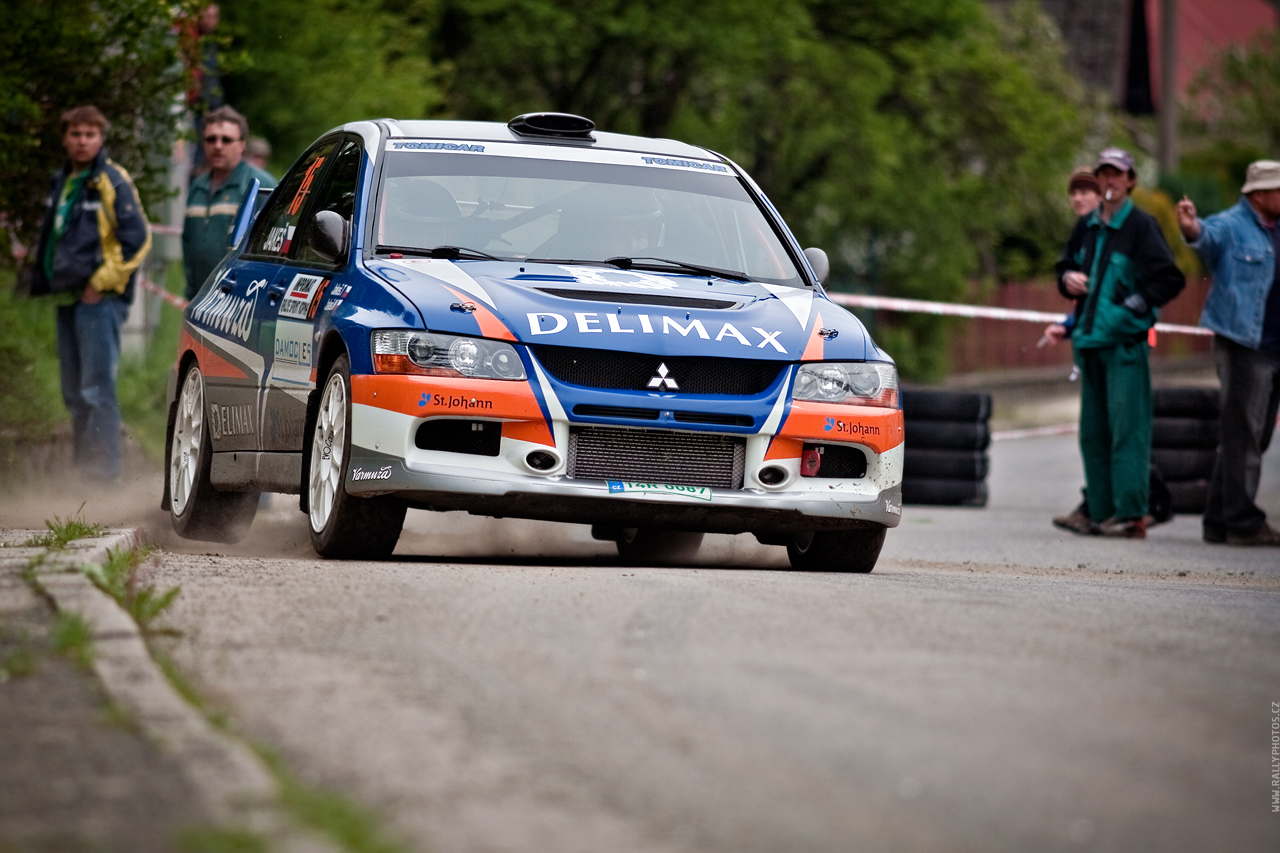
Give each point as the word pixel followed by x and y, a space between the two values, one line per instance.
pixel 235 786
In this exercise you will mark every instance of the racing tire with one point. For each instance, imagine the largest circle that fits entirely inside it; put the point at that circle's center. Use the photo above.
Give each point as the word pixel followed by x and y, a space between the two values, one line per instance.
pixel 854 551
pixel 947 464
pixel 344 526
pixel 920 404
pixel 936 491
pixel 1189 496
pixel 947 435
pixel 1201 403
pixel 639 546
pixel 1176 464
pixel 196 509
pixel 1196 433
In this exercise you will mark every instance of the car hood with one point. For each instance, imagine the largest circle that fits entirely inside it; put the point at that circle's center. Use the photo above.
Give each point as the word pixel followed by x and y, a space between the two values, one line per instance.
pixel 628 310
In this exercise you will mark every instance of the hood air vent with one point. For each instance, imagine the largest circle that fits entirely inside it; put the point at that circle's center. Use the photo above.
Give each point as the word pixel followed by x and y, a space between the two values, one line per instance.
pixel 555 125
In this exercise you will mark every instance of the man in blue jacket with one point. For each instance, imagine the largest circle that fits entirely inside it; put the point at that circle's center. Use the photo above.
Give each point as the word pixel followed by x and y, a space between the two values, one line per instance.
pixel 93 239
pixel 1118 268
pixel 1241 247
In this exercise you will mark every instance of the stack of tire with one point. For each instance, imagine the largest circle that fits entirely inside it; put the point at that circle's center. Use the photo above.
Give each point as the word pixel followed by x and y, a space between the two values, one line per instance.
pixel 1184 441
pixel 947 435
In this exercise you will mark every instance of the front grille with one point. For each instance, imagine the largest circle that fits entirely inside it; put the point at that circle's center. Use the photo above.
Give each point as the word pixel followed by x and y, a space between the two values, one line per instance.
pixel 715 419
pixel 638 298
pixel 657 456
pixel 588 411
pixel 631 371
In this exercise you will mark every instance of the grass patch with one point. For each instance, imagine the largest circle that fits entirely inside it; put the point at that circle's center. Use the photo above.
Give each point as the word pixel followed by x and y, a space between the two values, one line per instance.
pixel 65 530
pixel 72 637
pixel 19 663
pixel 220 841
pixel 119 579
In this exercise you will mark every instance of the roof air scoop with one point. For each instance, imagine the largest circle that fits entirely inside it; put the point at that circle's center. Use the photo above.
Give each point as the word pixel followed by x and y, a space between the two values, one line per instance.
pixel 557 125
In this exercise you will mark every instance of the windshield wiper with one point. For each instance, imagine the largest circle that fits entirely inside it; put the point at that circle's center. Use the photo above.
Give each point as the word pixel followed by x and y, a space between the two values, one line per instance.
pixel 649 263
pixel 448 253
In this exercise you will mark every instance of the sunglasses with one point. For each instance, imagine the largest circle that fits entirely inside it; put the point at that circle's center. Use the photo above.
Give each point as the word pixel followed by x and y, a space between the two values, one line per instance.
pixel 225 140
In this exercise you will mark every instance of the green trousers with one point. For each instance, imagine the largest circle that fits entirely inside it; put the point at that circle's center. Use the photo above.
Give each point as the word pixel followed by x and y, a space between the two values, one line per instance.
pixel 1115 429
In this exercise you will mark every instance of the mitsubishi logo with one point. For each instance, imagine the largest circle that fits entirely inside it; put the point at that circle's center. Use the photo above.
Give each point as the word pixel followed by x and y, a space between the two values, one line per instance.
pixel 662 380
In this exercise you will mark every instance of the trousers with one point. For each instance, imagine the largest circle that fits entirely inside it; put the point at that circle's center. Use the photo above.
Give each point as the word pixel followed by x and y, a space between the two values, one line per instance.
pixel 1250 397
pixel 1115 429
pixel 89 359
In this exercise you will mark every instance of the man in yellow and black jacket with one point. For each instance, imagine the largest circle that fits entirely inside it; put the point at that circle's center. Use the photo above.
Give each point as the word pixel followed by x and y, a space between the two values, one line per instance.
pixel 94 237
pixel 1119 269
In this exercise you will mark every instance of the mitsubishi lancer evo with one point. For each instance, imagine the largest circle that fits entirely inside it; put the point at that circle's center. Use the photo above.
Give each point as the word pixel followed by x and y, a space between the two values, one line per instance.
pixel 535 320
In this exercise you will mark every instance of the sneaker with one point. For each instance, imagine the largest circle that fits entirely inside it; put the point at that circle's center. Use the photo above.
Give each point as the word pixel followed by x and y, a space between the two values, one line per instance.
pixel 1129 528
pixel 1215 535
pixel 1077 521
pixel 1265 535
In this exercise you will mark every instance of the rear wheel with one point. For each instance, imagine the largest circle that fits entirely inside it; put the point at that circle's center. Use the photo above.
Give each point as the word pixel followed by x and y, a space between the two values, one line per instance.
pixel 836 550
pixel 644 545
pixel 196 508
pixel 343 526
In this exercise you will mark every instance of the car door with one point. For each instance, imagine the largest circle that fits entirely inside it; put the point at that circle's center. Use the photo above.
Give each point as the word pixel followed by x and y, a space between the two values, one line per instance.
pixel 296 301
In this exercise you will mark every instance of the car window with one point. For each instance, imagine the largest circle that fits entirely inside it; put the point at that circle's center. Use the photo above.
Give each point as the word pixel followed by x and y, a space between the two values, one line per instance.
pixel 541 209
pixel 274 230
pixel 338 194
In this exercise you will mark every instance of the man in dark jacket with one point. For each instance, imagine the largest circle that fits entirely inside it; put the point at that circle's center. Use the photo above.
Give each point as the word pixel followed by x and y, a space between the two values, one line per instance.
pixel 93 239
pixel 1119 270
pixel 215 196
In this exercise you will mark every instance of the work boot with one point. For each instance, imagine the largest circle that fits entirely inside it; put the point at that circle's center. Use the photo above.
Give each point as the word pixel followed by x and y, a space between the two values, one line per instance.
pixel 1129 528
pixel 1265 535
pixel 1077 521
pixel 1215 535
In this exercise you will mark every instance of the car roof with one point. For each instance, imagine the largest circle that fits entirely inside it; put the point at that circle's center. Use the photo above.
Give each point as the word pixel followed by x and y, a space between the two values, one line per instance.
pixel 492 131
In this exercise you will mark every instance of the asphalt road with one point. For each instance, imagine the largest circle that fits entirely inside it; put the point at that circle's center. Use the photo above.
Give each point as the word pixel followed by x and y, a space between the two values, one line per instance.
pixel 994 685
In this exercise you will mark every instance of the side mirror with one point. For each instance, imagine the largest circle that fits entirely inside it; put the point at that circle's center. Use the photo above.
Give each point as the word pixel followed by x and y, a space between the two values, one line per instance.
pixel 330 234
pixel 244 215
pixel 818 260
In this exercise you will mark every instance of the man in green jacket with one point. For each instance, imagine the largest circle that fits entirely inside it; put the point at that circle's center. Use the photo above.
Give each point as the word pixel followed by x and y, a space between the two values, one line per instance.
pixel 1119 270
pixel 215 196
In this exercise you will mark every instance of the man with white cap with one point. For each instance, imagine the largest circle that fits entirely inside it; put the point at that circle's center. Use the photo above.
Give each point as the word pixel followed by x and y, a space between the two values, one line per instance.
pixel 1119 270
pixel 1241 247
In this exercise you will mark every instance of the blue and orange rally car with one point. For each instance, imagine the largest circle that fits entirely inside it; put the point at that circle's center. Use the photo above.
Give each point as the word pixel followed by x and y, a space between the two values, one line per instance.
pixel 536 320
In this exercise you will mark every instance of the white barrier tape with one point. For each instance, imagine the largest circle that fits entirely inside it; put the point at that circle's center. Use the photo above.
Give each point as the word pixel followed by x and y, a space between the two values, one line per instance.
pixel 172 298
pixel 165 229
pixel 923 306
pixel 1035 432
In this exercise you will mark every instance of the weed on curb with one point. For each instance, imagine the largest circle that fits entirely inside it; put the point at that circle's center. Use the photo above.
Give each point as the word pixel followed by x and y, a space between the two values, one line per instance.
pixel 65 530
pixel 118 578
pixel 220 841
pixel 73 637
pixel 19 663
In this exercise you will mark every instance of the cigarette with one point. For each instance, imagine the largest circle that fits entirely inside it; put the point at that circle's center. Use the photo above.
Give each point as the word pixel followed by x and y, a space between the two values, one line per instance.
pixel 1108 196
pixel 1043 342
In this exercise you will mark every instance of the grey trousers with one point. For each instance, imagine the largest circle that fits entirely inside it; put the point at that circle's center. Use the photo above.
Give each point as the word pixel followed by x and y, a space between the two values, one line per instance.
pixel 1250 397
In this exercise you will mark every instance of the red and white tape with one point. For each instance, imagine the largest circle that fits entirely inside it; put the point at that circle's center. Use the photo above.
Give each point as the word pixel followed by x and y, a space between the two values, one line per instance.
pixel 172 298
pixel 923 306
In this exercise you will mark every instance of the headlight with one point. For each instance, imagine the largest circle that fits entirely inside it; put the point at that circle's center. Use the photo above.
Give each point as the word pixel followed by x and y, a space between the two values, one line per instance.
pixel 445 355
pixel 856 383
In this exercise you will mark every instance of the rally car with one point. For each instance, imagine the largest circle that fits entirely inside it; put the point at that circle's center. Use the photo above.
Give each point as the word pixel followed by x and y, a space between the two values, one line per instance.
pixel 537 320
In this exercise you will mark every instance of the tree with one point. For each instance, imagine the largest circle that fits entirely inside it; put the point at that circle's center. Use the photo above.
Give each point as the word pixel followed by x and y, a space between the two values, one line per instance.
pixel 120 55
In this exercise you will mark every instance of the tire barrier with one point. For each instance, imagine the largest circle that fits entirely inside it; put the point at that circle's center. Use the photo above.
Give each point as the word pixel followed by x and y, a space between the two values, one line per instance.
pixel 945 460
pixel 1184 440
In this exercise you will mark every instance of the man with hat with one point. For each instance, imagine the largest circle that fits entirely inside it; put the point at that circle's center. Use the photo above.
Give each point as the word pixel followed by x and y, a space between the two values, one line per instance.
pixel 1119 270
pixel 1241 248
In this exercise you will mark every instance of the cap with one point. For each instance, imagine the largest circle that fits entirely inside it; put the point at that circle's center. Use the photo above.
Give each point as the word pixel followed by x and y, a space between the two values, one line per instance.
pixel 1082 179
pixel 1115 157
pixel 1261 175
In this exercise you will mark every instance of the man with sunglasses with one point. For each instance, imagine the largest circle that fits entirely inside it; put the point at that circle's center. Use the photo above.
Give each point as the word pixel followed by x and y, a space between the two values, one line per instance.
pixel 215 196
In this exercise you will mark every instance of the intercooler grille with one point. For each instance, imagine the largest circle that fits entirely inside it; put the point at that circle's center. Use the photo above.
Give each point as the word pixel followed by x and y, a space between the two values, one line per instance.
pixel 657 456
pixel 634 371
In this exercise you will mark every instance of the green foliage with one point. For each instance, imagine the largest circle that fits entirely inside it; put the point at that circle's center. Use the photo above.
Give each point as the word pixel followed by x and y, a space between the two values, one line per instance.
pixel 73 638
pixel 121 56
pixel 118 578
pixel 305 67
pixel 18 663
pixel 30 402
pixel 64 530
pixel 143 378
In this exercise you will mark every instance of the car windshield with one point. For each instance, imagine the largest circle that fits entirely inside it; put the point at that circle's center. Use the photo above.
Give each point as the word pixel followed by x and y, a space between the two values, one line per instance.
pixel 533 209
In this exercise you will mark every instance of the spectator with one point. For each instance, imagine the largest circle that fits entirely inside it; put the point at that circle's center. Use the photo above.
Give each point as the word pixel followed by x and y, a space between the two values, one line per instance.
pixel 215 196
pixel 1083 195
pixel 1118 268
pixel 1241 248
pixel 92 241
pixel 258 152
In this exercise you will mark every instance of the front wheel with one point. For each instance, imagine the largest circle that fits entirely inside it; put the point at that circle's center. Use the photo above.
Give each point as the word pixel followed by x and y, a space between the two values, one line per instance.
pixel 196 508
pixel 836 550
pixel 644 545
pixel 343 526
